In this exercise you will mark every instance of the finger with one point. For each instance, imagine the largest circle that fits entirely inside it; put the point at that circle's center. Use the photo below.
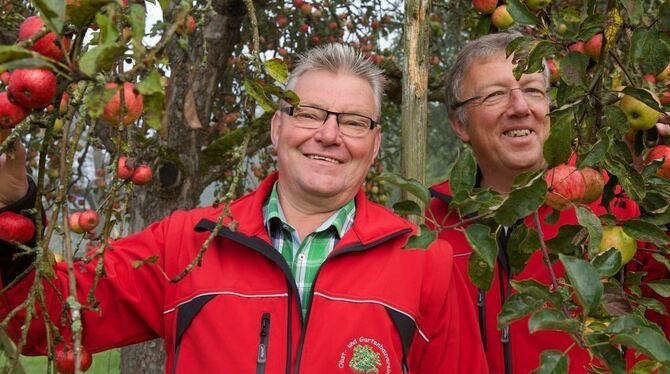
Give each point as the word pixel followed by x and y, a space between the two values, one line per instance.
pixel 663 129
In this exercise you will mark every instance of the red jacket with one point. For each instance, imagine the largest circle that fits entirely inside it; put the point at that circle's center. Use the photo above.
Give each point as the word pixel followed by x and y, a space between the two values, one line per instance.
pixel 525 347
pixel 374 305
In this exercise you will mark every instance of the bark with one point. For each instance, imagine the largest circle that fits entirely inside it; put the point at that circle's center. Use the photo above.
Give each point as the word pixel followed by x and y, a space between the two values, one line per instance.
pixel 177 184
pixel 415 91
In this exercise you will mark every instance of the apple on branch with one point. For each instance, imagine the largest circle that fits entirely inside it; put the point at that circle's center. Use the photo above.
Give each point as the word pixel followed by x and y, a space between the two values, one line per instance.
pixel 660 152
pixel 640 116
pixel 484 6
pixel 615 237
pixel 565 185
pixel 501 18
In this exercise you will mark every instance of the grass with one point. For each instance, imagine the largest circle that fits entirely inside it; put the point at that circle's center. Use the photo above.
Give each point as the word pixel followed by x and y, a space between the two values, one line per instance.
pixel 107 362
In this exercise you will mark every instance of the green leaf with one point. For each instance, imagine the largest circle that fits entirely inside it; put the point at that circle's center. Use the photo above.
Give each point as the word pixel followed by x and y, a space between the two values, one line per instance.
pixel 645 367
pixel 52 13
pixel 520 13
pixel 256 91
pixel 137 17
pixel 633 281
pixel 410 185
pixel 573 68
pixel 522 202
pixel 12 52
pixel 277 69
pixel 652 304
pixel 588 219
pixel 664 16
pixel 646 232
pixel 616 119
pixel 108 31
pixel 662 259
pixel 606 352
pixel 479 272
pixel 99 58
pixel 552 362
pixel 22 63
pixel 615 300
pixel 650 50
pixel 95 100
pixel 552 319
pixel 483 243
pixel 607 263
pixel 629 178
pixel 661 287
pixel 567 240
pixel 539 52
pixel 422 240
pixel 523 242
pixel 407 207
pixel 464 172
pixel 558 147
pixel 634 9
pixel 537 290
pixel 80 12
pixel 584 278
pixel 646 340
pixel 153 109
pixel 151 84
pixel 643 96
pixel 516 307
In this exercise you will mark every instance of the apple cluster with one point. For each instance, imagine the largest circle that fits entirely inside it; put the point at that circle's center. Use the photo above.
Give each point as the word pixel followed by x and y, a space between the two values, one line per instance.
pixel 500 16
pixel 567 185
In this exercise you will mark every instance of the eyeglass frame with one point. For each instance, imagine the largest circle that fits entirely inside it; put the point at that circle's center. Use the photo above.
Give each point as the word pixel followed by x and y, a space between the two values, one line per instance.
pixel 289 110
pixel 478 97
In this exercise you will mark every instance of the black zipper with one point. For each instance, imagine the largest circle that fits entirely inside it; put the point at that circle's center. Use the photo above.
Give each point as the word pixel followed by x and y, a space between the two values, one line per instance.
pixel 262 356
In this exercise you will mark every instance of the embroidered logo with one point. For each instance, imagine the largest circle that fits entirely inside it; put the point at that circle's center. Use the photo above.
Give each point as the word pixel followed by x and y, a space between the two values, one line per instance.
pixel 366 356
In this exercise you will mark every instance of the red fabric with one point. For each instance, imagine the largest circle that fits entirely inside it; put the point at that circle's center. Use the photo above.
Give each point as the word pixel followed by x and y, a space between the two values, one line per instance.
pixel 527 347
pixel 353 293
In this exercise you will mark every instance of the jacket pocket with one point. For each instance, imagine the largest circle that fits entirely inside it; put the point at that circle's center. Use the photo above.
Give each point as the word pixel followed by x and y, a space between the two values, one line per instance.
pixel 262 356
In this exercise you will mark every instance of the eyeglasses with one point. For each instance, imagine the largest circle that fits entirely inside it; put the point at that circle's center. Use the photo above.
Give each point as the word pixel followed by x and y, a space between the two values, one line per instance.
pixel 310 117
pixel 503 96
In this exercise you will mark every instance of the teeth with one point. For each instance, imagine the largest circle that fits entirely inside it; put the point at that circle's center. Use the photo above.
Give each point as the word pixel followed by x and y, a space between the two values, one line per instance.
pixel 516 133
pixel 322 158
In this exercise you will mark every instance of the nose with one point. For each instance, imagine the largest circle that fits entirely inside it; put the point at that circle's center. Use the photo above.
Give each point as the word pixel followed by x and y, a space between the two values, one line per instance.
pixel 329 132
pixel 517 103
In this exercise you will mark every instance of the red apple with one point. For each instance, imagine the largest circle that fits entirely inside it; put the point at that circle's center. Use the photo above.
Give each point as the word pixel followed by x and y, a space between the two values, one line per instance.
pixel 4 77
pixel 64 102
pixel 88 220
pixel 593 46
pixel 501 18
pixel 46 45
pixel 132 108
pixel 298 3
pixel 15 227
pixel 10 113
pixel 190 26
pixel 142 175
pixel 664 98
pixel 282 20
pixel 555 75
pixel 65 359
pixel 577 46
pixel 33 88
pixel 124 169
pixel 375 24
pixel 594 185
pixel 73 223
pixel 660 152
pixel 484 6
pixel 565 185
pixel 651 78
pixel 304 28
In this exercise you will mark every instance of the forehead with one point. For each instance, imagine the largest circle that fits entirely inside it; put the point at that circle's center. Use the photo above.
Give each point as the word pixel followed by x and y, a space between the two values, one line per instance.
pixel 340 91
pixel 495 70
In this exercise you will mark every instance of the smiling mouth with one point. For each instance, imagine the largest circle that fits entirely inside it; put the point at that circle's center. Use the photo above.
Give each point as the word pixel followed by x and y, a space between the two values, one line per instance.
pixel 518 133
pixel 323 158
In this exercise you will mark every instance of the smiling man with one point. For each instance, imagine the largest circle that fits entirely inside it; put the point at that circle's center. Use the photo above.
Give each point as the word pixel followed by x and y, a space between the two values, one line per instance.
pixel 312 279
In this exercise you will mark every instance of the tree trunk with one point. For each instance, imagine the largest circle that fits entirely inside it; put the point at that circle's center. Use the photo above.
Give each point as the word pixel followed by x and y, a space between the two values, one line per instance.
pixel 415 91
pixel 177 184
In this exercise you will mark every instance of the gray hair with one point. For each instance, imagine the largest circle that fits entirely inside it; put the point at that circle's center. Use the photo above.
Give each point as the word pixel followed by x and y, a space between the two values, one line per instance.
pixel 340 58
pixel 478 49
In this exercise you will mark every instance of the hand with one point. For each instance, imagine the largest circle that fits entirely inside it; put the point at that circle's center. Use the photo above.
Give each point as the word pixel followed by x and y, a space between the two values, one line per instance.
pixel 13 181
pixel 663 125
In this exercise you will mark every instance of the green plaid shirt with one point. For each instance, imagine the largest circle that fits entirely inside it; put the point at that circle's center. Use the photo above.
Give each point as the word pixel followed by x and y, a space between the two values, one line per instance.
pixel 305 258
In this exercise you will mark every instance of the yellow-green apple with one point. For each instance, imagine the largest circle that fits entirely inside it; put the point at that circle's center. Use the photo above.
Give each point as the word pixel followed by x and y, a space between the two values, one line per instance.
pixel 565 184
pixel 10 113
pixel 33 88
pixel 594 184
pixel 501 17
pixel 664 74
pixel 132 108
pixel 536 5
pixel 640 116
pixel 484 6
pixel 73 223
pixel 615 237
pixel 593 46
pixel 660 152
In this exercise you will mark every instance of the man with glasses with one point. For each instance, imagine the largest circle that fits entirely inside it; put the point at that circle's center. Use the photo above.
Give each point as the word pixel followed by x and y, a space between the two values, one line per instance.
pixel 506 123
pixel 306 275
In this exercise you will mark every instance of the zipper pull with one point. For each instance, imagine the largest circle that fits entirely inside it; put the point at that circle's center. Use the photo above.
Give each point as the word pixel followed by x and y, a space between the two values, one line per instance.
pixel 505 334
pixel 262 346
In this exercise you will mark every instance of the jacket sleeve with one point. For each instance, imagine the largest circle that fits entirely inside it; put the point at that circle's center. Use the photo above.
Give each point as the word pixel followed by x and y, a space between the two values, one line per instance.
pixel 450 321
pixel 128 302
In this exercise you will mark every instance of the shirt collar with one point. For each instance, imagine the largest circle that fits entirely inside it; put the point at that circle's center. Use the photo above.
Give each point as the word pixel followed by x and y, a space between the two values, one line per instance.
pixel 342 219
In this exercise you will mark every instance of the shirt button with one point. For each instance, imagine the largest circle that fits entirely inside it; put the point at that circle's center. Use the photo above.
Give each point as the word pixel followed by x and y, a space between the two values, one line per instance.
pixel 301 257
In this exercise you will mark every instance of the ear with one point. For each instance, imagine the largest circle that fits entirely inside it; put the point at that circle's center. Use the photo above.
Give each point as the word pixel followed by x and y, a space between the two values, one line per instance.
pixel 274 128
pixel 460 128
pixel 377 144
